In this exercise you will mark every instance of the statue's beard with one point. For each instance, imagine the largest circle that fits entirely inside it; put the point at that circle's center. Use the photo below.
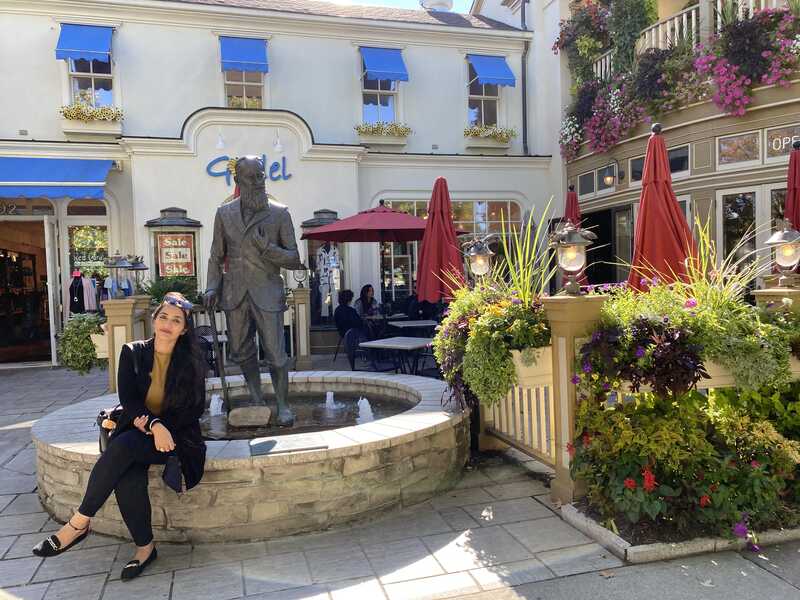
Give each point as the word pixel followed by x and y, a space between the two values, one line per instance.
pixel 253 199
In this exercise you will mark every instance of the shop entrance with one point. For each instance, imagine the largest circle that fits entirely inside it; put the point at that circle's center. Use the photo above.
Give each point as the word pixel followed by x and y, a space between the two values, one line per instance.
pixel 28 253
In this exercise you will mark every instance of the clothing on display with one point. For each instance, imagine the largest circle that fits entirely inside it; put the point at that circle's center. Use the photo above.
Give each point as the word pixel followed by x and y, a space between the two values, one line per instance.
pixel 82 294
pixel 328 271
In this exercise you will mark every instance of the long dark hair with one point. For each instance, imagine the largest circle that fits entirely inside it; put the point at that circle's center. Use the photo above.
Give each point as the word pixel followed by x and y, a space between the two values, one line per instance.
pixel 365 301
pixel 184 388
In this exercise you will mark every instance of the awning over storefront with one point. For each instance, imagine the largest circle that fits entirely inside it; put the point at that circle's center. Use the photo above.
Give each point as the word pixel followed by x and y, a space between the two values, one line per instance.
pixel 25 177
pixel 244 54
pixel 90 42
pixel 492 70
pixel 384 63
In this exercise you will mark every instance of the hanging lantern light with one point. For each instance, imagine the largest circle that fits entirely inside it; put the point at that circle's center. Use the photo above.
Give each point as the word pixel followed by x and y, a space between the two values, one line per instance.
pixel 786 242
pixel 570 243
pixel 479 255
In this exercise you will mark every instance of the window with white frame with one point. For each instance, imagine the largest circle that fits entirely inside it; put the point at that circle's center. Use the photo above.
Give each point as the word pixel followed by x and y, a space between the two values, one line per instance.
pixel 483 101
pixel 91 82
pixel 586 184
pixel 244 89
pixel 378 99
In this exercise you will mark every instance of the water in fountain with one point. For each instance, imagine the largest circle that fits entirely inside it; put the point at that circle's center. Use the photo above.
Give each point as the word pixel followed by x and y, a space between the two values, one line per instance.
pixel 364 411
pixel 329 402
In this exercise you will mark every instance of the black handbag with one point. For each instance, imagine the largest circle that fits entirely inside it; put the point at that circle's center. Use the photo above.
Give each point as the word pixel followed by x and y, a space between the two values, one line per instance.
pixel 107 421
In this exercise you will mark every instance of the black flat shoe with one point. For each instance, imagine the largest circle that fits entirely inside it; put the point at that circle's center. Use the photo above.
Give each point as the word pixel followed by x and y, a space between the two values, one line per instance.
pixel 134 568
pixel 52 546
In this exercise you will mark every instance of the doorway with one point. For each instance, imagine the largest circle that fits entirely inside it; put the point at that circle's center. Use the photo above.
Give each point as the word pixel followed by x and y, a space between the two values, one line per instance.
pixel 601 257
pixel 25 311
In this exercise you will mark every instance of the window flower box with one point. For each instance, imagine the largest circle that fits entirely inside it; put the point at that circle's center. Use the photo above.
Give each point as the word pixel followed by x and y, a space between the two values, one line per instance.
pixel 481 136
pixel 81 119
pixel 382 140
pixel 383 133
pixel 73 128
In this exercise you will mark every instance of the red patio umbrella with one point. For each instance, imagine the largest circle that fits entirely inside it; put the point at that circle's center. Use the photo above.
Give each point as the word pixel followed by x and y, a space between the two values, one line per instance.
pixel 379 224
pixel 663 240
pixel 439 252
pixel 792 208
pixel 572 211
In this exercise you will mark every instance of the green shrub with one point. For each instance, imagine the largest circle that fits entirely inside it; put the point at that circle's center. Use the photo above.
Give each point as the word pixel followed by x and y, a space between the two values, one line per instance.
pixel 160 287
pixel 75 348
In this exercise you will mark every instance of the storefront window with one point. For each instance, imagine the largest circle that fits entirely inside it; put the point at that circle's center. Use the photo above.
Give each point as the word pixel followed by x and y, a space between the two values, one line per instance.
pixel 780 140
pixel 244 89
pixel 586 184
pixel 88 249
pixel 777 203
pixel 610 170
pixel 637 168
pixel 86 208
pixel 740 148
pixel 623 238
pixel 26 207
pixel 678 159
pixel 738 220
pixel 399 260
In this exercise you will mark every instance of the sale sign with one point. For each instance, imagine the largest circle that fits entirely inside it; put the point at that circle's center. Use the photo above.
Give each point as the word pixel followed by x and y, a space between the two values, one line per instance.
pixel 175 254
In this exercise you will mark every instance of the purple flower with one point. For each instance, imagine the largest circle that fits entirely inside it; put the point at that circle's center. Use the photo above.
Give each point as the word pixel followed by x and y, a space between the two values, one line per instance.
pixel 643 281
pixel 656 280
pixel 639 352
pixel 596 336
pixel 587 368
pixel 740 529
pixel 516 301
pixel 576 379
pixel 606 386
pixel 605 287
pixel 753 547
pixel 690 303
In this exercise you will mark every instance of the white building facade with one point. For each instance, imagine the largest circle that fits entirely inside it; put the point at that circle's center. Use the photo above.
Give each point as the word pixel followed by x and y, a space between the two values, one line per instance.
pixel 202 81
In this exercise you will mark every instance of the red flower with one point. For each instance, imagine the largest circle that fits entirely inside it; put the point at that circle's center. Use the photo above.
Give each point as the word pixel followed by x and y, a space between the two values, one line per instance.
pixel 629 483
pixel 755 464
pixel 587 439
pixel 650 482
pixel 705 501
pixel 571 449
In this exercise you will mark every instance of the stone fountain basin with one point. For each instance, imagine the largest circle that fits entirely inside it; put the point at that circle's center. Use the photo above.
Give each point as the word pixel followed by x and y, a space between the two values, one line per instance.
pixel 276 486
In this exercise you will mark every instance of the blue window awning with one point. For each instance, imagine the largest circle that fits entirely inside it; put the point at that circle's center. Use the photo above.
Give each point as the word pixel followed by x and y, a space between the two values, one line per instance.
pixel 492 70
pixel 84 41
pixel 384 63
pixel 244 54
pixel 24 177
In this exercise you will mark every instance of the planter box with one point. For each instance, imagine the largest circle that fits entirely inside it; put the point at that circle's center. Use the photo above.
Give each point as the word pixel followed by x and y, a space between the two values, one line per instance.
pixel 538 374
pixel 485 142
pixel 389 141
pixel 75 129
pixel 100 341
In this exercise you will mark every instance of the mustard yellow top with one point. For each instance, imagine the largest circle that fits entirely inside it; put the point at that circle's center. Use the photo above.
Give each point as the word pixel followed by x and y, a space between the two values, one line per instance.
pixel 158 378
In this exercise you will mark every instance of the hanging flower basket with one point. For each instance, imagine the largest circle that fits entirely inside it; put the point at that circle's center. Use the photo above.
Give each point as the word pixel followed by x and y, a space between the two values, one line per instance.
pixel 534 366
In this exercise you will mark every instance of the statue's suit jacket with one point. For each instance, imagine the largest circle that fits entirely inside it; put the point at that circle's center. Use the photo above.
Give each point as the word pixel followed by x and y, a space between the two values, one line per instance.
pixel 252 267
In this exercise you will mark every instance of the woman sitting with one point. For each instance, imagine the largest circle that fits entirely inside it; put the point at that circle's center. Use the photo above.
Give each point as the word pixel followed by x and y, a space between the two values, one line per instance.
pixel 366 305
pixel 345 316
pixel 161 387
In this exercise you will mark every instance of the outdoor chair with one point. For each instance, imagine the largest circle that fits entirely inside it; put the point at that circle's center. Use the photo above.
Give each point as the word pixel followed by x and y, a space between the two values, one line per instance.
pixel 204 337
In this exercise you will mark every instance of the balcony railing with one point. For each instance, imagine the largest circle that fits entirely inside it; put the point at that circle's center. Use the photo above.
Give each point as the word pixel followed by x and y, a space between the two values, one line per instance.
pixel 685 24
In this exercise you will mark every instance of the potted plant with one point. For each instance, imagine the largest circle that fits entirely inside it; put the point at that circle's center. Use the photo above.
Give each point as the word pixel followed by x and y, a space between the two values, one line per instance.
pixel 383 133
pixel 76 349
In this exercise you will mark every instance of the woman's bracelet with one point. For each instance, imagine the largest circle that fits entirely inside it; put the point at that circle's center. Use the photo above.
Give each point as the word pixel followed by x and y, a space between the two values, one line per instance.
pixel 152 422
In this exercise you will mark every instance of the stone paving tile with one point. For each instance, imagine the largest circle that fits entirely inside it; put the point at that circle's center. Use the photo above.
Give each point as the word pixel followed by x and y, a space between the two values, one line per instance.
pixel 51 525
pixel 498 512
pixel 460 498
pixel 312 541
pixel 517 489
pixel 19 571
pixel 408 524
pixel 783 561
pixel 458 519
pixel 17 524
pixel 511 574
pixel 353 589
pixel 76 588
pixel 23 504
pixel 546 534
pixel 474 478
pixel 12 482
pixel 6 543
pixel 433 588
pixel 402 560
pixel 208 554
pixel 22 545
pixel 475 548
pixel 579 559
pixel 24 462
pixel 506 472
pixel 221 582
pixel 276 572
pixel 74 563
pixel 28 592
pixel 146 586
pixel 171 557
pixel 6 500
pixel 95 540
pixel 346 563
pixel 311 592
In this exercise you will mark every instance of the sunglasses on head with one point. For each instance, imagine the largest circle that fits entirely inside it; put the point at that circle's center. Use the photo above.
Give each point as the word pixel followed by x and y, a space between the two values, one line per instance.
pixel 175 301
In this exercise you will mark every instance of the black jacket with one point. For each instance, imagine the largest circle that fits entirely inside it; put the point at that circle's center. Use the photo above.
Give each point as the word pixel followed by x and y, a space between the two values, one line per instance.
pixel 183 425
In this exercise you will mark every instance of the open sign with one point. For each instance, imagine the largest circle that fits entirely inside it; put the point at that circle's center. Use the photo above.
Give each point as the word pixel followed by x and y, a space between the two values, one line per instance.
pixel 780 140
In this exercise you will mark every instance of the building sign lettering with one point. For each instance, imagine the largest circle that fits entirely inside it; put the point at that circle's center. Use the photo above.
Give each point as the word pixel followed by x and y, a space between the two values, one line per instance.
pixel 780 140
pixel 276 170
pixel 175 254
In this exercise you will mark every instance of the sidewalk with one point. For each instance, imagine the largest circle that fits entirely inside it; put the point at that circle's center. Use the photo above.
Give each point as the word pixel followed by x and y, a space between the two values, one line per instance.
pixel 495 536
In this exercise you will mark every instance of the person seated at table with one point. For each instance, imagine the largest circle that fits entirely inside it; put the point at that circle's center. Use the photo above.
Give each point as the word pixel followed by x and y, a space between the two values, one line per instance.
pixel 345 316
pixel 366 305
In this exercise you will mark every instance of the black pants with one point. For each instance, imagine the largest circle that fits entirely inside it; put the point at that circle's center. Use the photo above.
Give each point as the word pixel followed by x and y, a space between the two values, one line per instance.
pixel 122 468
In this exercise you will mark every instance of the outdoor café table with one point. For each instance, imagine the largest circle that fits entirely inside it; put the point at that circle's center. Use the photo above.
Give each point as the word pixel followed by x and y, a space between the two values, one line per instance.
pixel 394 317
pixel 424 324
pixel 407 350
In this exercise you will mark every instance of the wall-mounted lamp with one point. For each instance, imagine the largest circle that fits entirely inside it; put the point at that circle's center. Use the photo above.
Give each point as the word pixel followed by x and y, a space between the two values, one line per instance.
pixel 220 140
pixel 479 255
pixel 570 243
pixel 610 180
pixel 786 242
pixel 276 143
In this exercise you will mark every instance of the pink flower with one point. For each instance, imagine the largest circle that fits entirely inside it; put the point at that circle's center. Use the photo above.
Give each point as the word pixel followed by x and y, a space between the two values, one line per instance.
pixel 755 464
pixel 690 303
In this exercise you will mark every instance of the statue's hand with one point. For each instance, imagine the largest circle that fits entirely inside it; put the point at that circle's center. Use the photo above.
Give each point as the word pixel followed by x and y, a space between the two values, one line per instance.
pixel 210 299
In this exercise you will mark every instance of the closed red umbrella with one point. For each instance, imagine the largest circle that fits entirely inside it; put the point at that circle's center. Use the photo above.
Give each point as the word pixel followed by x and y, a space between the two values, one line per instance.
pixel 663 240
pixel 572 211
pixel 379 224
pixel 792 208
pixel 439 252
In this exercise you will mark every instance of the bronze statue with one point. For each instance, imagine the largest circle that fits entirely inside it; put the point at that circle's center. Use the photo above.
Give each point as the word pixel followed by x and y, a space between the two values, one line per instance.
pixel 256 237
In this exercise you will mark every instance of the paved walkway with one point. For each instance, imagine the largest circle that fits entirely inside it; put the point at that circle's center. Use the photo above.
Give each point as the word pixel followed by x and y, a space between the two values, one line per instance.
pixel 495 536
